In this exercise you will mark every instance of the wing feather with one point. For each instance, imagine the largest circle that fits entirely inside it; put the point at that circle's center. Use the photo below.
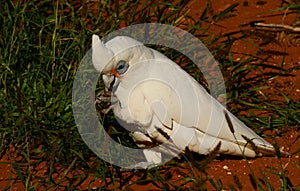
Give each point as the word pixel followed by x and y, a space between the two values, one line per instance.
pixel 159 94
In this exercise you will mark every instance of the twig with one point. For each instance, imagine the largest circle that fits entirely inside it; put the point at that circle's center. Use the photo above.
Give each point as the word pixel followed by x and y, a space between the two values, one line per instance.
pixel 278 26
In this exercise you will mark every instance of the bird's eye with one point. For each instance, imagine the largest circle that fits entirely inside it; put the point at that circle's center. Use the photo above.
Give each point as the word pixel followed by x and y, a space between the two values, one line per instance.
pixel 122 67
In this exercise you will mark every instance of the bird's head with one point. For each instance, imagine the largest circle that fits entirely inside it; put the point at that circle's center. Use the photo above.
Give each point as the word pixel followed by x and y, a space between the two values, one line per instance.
pixel 115 57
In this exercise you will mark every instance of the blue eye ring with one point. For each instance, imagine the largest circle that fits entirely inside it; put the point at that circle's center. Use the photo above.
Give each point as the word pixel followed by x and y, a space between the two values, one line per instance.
pixel 122 66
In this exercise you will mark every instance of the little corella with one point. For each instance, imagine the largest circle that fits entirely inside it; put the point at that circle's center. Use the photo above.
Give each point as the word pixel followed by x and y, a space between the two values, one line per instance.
pixel 165 109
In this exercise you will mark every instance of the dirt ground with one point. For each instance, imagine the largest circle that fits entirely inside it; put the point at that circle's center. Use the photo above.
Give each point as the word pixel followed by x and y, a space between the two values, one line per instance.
pixel 227 169
pixel 246 12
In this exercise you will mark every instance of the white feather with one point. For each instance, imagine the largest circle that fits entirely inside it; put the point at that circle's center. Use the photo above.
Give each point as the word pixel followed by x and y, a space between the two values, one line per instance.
pixel 155 93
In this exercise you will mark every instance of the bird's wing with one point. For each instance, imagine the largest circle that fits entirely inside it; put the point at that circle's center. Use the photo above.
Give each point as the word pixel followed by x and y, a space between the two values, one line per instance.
pixel 160 95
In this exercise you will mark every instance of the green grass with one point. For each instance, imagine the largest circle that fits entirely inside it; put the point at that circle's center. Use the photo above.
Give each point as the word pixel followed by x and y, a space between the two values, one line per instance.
pixel 42 43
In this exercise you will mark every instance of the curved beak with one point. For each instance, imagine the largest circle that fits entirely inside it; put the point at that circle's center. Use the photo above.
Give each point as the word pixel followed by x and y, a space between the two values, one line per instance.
pixel 109 81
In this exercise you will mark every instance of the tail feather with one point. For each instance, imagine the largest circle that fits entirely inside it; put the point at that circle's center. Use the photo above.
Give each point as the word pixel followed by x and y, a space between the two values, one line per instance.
pixel 259 149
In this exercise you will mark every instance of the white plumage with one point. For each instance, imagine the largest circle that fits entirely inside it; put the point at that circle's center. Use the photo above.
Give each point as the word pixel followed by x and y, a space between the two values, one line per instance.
pixel 162 104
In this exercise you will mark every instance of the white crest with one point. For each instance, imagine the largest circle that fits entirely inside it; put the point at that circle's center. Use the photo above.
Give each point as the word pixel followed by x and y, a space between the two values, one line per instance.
pixel 101 55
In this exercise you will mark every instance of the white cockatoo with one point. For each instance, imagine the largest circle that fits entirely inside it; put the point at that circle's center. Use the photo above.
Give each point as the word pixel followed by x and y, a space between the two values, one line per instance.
pixel 164 107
